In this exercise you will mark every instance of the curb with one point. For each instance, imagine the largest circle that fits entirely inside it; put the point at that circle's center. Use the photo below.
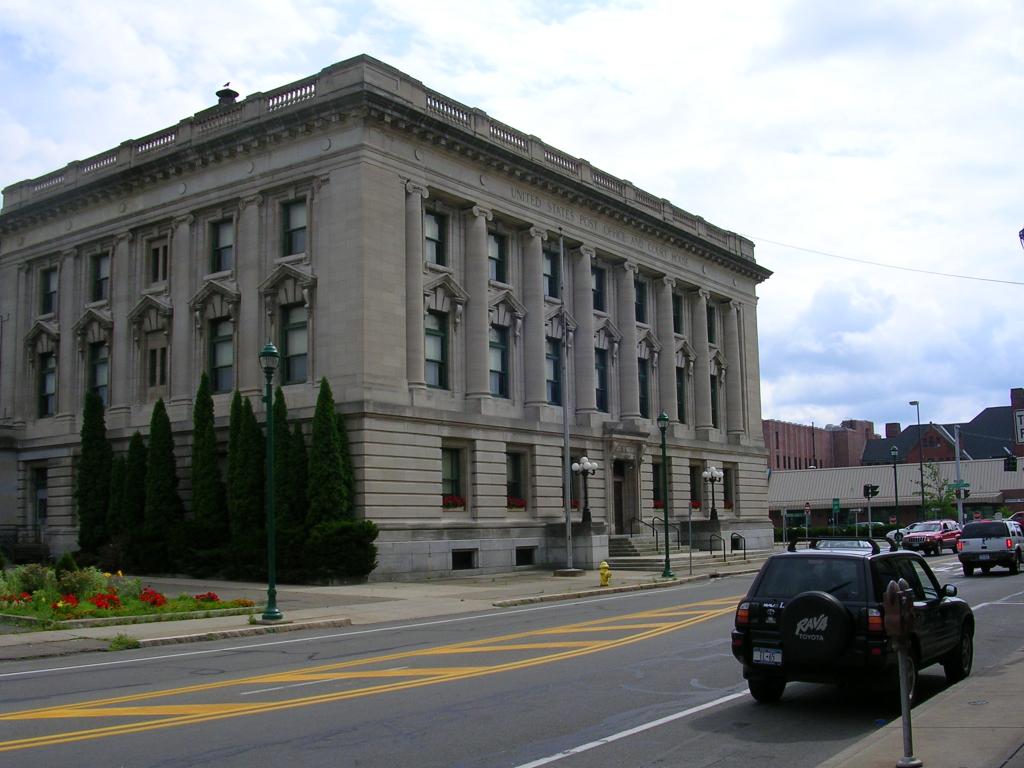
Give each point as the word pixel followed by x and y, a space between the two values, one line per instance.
pixel 615 590
pixel 263 629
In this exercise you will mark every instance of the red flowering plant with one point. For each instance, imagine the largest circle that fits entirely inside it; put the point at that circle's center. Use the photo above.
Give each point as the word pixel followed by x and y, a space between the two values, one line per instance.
pixel 207 597
pixel 66 603
pixel 695 504
pixel 727 505
pixel 575 503
pixel 514 502
pixel 106 601
pixel 15 601
pixel 152 597
pixel 452 500
pixel 659 503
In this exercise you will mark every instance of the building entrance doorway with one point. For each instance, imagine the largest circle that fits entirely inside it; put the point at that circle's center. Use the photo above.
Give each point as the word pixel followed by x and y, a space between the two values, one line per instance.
pixel 623 496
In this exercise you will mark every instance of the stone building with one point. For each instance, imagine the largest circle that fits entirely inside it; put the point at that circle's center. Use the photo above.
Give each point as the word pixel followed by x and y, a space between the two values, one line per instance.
pixel 438 267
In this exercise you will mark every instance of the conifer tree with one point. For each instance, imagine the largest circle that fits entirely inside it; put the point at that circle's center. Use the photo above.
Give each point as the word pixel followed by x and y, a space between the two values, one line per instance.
pixel 92 486
pixel 248 541
pixel 209 505
pixel 117 519
pixel 348 475
pixel 209 511
pixel 283 491
pixel 234 456
pixel 292 532
pixel 162 527
pixel 327 490
pixel 298 468
pixel 135 486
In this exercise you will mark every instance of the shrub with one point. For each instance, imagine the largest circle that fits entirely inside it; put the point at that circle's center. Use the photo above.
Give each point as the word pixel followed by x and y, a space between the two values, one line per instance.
pixel 162 526
pixel 3 564
pixel 124 643
pixel 66 563
pixel 31 578
pixel 342 549
pixel 81 583
pixel 129 589
pixel 92 479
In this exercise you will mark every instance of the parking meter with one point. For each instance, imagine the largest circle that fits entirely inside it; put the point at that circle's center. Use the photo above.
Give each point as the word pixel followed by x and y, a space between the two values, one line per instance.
pixel 898 603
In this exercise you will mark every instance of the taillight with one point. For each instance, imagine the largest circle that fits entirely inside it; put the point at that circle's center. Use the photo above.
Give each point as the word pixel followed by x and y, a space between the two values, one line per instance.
pixel 876 626
pixel 959 545
pixel 743 615
pixel 1009 543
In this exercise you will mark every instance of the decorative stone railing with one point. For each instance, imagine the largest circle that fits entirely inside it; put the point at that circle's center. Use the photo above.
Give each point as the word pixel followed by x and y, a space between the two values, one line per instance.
pixel 362 73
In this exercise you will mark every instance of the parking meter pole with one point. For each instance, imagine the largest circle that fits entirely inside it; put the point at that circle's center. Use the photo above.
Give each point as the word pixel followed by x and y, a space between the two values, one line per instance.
pixel 897 603
pixel 908 760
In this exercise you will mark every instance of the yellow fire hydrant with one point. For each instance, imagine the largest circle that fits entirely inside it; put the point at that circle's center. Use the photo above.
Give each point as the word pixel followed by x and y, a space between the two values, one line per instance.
pixel 606 573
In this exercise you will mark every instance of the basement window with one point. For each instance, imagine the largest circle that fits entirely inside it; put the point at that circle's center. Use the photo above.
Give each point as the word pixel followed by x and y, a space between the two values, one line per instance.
pixel 525 555
pixel 463 559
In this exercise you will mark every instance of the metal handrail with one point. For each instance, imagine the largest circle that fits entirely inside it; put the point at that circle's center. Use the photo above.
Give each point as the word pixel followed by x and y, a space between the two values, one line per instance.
pixel 676 526
pixel 711 541
pixel 654 530
pixel 743 539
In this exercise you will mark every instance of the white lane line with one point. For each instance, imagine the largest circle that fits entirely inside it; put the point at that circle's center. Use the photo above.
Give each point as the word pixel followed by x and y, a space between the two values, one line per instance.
pixel 376 630
pixel 630 732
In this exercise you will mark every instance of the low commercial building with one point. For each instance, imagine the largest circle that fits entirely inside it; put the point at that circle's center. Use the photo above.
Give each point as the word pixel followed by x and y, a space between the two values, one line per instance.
pixel 464 287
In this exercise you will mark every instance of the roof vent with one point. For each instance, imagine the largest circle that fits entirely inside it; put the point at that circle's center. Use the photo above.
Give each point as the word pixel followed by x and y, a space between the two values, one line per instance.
pixel 225 95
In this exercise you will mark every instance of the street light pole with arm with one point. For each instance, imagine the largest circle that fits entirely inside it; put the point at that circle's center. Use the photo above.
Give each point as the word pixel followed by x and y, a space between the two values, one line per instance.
pixel 920 454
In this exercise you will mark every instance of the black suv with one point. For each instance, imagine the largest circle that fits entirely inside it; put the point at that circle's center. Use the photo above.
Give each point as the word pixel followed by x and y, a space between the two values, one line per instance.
pixel 816 615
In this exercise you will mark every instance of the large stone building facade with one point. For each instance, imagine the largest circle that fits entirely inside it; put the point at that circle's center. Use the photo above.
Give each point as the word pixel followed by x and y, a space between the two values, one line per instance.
pixel 463 286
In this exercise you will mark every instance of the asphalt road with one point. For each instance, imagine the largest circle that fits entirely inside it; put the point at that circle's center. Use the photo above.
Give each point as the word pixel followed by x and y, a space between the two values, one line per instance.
pixel 638 679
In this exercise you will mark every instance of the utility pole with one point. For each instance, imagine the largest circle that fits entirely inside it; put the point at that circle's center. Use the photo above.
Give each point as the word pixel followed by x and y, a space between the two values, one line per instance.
pixel 959 489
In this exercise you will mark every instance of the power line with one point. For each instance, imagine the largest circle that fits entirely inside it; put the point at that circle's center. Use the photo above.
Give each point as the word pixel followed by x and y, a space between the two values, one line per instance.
pixel 887 266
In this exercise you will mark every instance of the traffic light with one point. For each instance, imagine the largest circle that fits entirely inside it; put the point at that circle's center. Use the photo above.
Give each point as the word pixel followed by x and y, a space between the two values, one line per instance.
pixel 870 490
pixel 1010 464
pixel 961 493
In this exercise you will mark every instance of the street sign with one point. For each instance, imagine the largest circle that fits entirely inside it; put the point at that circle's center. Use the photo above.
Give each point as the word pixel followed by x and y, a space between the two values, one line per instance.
pixel 835 506
pixel 1018 424
pixel 961 484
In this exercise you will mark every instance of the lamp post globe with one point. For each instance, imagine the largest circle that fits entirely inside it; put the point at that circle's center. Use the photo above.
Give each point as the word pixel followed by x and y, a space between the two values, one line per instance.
pixel 269 359
pixel 584 468
pixel 663 426
pixel 711 476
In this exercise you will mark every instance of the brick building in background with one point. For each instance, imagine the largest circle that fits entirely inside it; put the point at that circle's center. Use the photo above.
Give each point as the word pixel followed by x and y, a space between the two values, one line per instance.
pixel 798 446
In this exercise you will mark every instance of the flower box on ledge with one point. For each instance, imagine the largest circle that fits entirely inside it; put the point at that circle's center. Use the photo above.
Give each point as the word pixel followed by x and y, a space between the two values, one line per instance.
pixel 659 504
pixel 727 505
pixel 695 504
pixel 453 502
pixel 514 502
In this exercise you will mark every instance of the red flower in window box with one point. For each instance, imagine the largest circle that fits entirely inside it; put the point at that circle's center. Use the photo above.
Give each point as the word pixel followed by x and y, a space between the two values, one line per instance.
pixel 574 504
pixel 659 504
pixel 727 505
pixel 451 501
pixel 514 502
pixel 695 504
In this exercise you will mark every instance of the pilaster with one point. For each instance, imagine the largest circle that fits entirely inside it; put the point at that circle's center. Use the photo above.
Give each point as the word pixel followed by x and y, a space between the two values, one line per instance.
pixel 734 374
pixel 701 361
pixel 122 374
pixel 184 341
pixel 248 376
pixel 667 340
pixel 414 371
pixel 629 385
pixel 476 330
pixel 583 311
pixel 533 298
pixel 68 370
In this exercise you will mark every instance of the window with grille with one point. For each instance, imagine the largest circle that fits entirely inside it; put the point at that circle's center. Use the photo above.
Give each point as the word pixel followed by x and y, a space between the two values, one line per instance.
pixel 222 355
pixel 435 329
pixel 294 228
pixel 498 352
pixel 435 228
pixel 294 343
pixel 222 246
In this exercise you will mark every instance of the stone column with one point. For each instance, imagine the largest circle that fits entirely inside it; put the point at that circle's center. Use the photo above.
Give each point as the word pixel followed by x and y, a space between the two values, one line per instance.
pixel 533 298
pixel 734 377
pixel 629 385
pixel 702 360
pixel 414 196
pixel 122 371
pixel 250 335
pixel 68 370
pixel 667 357
pixel 477 384
pixel 184 338
pixel 20 363
pixel 583 310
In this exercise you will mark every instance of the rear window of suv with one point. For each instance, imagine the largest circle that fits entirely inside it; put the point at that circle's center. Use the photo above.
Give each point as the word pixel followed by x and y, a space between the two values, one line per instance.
pixel 987 530
pixel 789 576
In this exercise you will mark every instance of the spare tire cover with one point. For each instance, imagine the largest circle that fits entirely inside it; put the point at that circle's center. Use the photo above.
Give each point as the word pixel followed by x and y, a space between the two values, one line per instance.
pixel 815 628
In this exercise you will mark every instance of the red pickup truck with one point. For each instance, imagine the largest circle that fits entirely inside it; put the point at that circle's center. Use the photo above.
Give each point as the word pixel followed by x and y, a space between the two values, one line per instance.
pixel 932 536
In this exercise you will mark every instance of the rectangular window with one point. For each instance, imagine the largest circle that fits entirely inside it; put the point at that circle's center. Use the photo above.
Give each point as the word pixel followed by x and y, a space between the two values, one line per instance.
pixel 677 313
pixel 656 479
pixel 435 227
pixel 728 487
pixel 680 394
pixel 498 353
pixel 451 472
pixel 48 294
pixel 714 401
pixel 515 474
pixel 497 257
pixel 552 273
pixel 640 287
pixel 47 384
pixel 712 330
pixel 157 366
pixel 644 386
pixel 435 329
pixel 597 280
pixel 553 370
pixel 158 261
pixel 99 369
pixel 696 484
pixel 40 496
pixel 222 248
pixel 100 277
pixel 222 355
pixel 294 343
pixel 601 378
pixel 294 228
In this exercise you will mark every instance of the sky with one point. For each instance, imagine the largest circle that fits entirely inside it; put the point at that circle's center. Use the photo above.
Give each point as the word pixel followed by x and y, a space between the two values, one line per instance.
pixel 830 134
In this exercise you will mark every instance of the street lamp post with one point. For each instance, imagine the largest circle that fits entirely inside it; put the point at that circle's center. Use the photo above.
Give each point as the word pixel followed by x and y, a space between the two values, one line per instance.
pixel 920 454
pixel 269 358
pixel 663 425
pixel 894 451
pixel 713 475
pixel 584 468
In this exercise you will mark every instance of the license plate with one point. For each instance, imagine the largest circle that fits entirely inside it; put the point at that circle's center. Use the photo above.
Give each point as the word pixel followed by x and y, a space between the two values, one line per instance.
pixel 771 656
pixel 983 557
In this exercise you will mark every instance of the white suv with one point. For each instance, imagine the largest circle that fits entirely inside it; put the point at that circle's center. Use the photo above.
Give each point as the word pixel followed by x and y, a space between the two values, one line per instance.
pixel 986 543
